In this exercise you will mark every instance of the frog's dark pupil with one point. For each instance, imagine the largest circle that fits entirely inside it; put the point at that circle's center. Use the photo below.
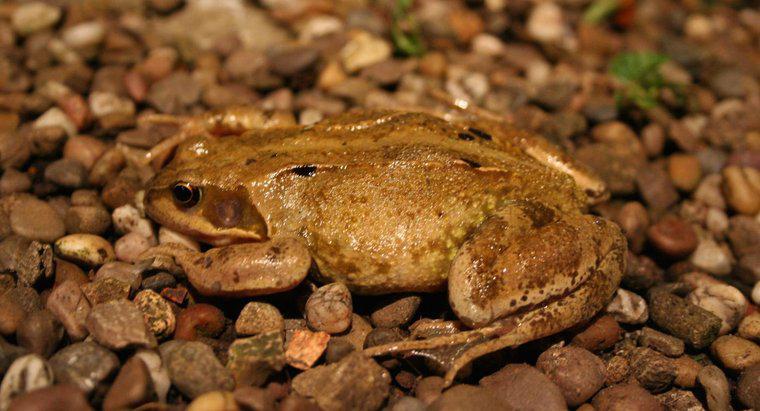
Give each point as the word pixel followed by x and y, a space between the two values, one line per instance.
pixel 186 194
pixel 304 171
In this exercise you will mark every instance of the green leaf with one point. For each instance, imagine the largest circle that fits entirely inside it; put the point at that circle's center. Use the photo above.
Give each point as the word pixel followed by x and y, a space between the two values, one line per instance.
pixel 639 73
pixel 405 32
pixel 600 10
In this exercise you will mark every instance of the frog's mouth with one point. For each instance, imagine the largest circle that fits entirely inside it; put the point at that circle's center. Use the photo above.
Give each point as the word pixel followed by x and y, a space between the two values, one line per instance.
pixel 205 221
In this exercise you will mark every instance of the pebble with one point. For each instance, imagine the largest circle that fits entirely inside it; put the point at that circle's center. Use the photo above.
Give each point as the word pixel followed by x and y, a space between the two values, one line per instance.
pixel 194 369
pixel 111 110
pixel 749 327
pixel 87 219
pixel 127 219
pixel 523 387
pixel 255 398
pixel 363 50
pixel 34 263
pixel 741 186
pixel 673 237
pixel 124 272
pixel 716 387
pixel 546 23
pixel 14 181
pixel 735 353
pixel 71 308
pixel 633 219
pixel 397 313
pixel 682 319
pixel 131 388
pixel 748 387
pixel 131 246
pixel 601 334
pixel 15 149
pixel 305 348
pixel 174 93
pixel 257 317
pixel 85 365
pixel 716 221
pixel 652 370
pixel 105 289
pixel 355 382
pixel 214 401
pixel 87 249
pixel 687 370
pixel 329 308
pixel 157 312
pixel 465 397
pixel 408 404
pixel 656 188
pixel 676 399
pixel 709 192
pixel 712 257
pixel 577 372
pixel 55 118
pixel 428 389
pixel 159 374
pixel 199 320
pixel 36 220
pixel 661 342
pixel 52 398
pixel 119 324
pixel 12 313
pixel 625 397
pixel 25 374
pixel 744 235
pixel 83 35
pixel 66 173
pixel 723 300
pixel 653 139
pixel 35 16
pixel 628 308
pixel 685 171
pixel 252 360
pixel 40 333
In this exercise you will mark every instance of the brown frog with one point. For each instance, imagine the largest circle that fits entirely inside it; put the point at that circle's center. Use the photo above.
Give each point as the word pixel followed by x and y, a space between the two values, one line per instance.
pixel 389 202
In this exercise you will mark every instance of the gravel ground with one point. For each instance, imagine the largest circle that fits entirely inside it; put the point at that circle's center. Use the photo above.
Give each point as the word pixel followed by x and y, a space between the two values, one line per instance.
pixel 659 97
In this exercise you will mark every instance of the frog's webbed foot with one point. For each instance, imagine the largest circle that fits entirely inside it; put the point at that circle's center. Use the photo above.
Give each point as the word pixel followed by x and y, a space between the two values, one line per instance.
pixel 527 273
pixel 241 270
pixel 233 120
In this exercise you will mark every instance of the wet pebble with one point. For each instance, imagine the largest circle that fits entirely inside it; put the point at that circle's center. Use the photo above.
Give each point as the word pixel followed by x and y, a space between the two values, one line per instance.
pixel 85 365
pixel 14 181
pixel 214 401
pixel 305 347
pixel 36 219
pixel 685 171
pixel 687 370
pixel 678 317
pixel 194 369
pixel 119 324
pixel 397 313
pixel 749 327
pixel 652 370
pixel 126 273
pixel 601 334
pixel 676 399
pixel 257 317
pixel 578 373
pixel 131 388
pixel 661 342
pixel 105 289
pixel 329 309
pixel 363 50
pixel 735 353
pixel 741 186
pixel 199 320
pixel 157 312
pixel 71 308
pixel 25 374
pixel 252 360
pixel 723 300
pixel 88 249
pixel 129 247
pixel 127 219
pixel 656 188
pixel 673 237
pixel 628 308
pixel 34 16
pixel 633 219
pixel 712 257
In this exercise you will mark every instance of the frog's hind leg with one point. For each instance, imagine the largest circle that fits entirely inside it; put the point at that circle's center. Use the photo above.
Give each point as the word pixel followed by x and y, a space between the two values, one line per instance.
pixel 527 273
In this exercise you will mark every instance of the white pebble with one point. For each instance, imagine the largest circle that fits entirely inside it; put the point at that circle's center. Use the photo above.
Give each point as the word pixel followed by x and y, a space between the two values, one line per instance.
pixel 55 117
pixel 756 293
pixel 487 44
pixel 86 34
pixel 712 257
pixel 25 374
pixel 546 22
pixel 628 308
pixel 364 50
pixel 716 221
pixel 127 219
pixel 708 192
pixel 129 247
pixel 34 16
pixel 88 249
pixel 723 300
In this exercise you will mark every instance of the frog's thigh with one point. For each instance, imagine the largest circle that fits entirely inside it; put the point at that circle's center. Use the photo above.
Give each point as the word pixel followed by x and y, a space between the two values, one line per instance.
pixel 523 257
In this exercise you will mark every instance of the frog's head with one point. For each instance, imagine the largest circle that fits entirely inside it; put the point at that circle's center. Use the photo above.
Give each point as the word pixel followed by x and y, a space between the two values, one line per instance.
pixel 207 203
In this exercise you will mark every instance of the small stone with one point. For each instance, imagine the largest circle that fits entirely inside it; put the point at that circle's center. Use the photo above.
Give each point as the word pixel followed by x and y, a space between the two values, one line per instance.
pixel 685 171
pixel 40 333
pixel 71 308
pixel 363 50
pixel 329 309
pixel 157 312
pixel 66 173
pixel 85 365
pixel 521 387
pixel 174 94
pixel 735 353
pixel 716 387
pixel 625 397
pixel 633 219
pixel 255 398
pixel 687 370
pixel 13 310
pixel 36 220
pixel 708 192
pixel 748 387
pixel 56 397
pixel 194 369
pixel 199 320
pixel 305 347
pixel 723 300
pixel 34 264
pixel 105 289
pixel 578 373
pixel 712 257
pixel 676 399
pixel 87 219
pixel 652 370
pixel 741 186
pixel 749 327
pixel 355 382
pixel 628 308
pixel 257 317
pixel 25 374
pixel 127 219
pixel 653 139
pixel 289 61
pixel 656 188
pixel 673 237
pixel 408 404
pixel 428 389
pixel 83 35
pixel 159 374
pixel 744 235
pixel 465 397
pixel 546 23
pixel 34 16
pixel 119 324
pixel 131 246
pixel 253 359
pixel 126 273
pixel 678 317
pixel 88 249
pixel 601 334
pixel 397 313
pixel 214 401
pixel 14 181
pixel 131 388
pixel 55 118
pixel 661 342
pixel 112 111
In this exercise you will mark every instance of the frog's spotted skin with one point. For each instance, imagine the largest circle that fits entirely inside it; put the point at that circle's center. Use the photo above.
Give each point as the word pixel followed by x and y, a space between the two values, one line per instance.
pixel 387 202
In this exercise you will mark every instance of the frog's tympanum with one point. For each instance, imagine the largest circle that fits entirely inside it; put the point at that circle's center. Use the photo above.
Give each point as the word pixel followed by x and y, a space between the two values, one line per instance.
pixel 389 202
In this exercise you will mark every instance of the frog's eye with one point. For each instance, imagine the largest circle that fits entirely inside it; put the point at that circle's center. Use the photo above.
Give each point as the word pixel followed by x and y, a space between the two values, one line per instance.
pixel 186 194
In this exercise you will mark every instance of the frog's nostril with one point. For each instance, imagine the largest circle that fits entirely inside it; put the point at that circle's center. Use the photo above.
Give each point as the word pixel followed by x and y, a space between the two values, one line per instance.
pixel 226 213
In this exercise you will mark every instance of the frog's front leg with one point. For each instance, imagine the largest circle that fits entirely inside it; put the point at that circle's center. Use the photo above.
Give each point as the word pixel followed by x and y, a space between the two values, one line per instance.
pixel 241 270
pixel 526 273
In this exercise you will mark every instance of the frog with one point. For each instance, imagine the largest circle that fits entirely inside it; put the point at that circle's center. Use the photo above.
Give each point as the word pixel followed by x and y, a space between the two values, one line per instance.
pixel 390 202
